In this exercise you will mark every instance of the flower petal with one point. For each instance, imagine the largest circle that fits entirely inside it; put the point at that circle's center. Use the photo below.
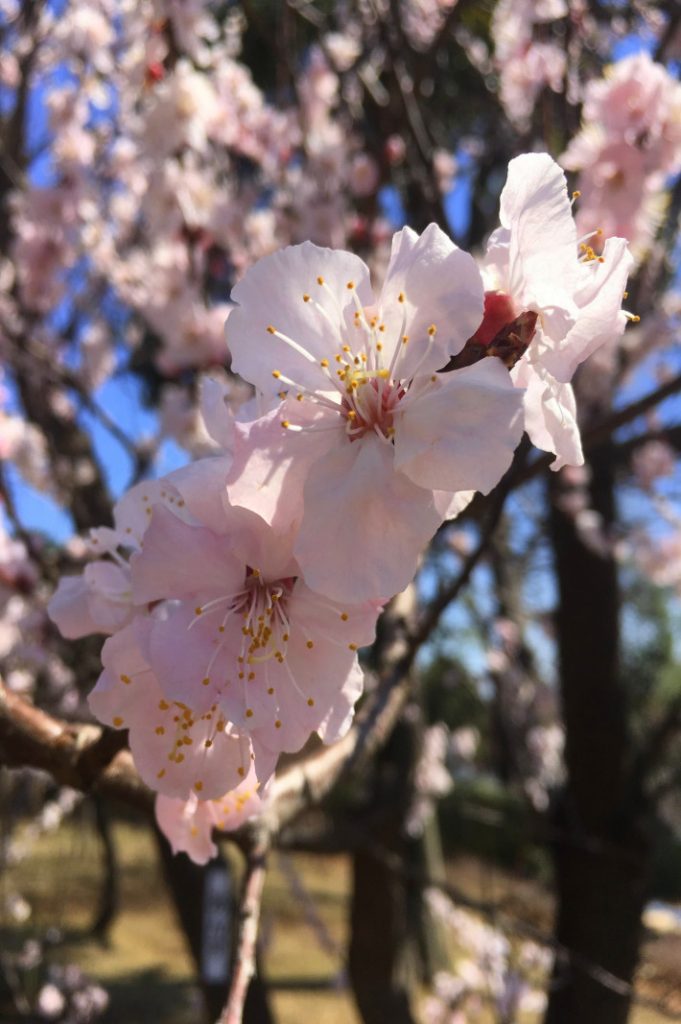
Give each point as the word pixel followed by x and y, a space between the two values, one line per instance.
pixel 178 560
pixel 271 463
pixel 534 205
pixel 550 415
pixel 441 287
pixel 271 294
pixel 364 525
pixel 462 435
pixel 599 318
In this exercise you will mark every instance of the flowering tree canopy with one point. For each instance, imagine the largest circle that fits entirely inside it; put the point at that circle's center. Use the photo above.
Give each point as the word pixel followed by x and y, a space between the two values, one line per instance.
pixel 338 376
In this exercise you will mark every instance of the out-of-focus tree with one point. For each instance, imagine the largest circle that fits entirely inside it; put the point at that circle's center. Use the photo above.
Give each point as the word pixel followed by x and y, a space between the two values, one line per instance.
pixel 150 155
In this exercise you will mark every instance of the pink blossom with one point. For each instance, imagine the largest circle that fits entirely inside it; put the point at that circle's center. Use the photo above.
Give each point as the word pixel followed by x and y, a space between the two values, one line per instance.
pixel 653 460
pixel 188 824
pixel 532 265
pixel 629 143
pixel 369 444
pixel 526 65
pixel 244 632
pixel 177 749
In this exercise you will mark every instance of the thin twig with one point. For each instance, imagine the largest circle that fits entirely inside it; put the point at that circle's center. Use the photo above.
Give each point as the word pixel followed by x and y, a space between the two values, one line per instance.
pixel 249 914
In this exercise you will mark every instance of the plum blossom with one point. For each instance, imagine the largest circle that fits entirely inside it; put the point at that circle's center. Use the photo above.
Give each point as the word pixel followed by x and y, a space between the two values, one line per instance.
pixel 369 447
pixel 563 306
pixel 177 750
pixel 629 143
pixel 244 632
pixel 188 824
pixel 100 599
pixel 653 460
pixel 526 65
pixel 432 778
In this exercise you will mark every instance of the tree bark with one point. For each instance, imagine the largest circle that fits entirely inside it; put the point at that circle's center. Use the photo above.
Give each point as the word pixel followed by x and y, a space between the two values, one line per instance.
pixel 600 856
pixel 380 933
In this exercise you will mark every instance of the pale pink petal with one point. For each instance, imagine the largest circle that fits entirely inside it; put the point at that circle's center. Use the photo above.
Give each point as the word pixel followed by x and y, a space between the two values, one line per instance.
pixel 441 287
pixel 217 416
pixel 133 511
pixel 364 525
pixel 196 661
pixel 462 435
pixel 109 595
pixel 535 207
pixel 259 546
pixel 599 319
pixel 550 415
pixel 271 463
pixel 240 804
pixel 342 711
pixel 188 826
pixel 178 560
pixel 69 608
pixel 452 505
pixel 201 486
pixel 271 294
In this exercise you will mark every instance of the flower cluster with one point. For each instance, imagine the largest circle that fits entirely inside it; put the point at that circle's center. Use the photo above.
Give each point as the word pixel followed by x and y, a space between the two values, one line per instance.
pixel 239 589
pixel 629 145
pixel 526 64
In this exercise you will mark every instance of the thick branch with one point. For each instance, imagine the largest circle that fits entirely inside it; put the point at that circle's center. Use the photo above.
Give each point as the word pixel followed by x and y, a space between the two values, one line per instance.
pixel 82 755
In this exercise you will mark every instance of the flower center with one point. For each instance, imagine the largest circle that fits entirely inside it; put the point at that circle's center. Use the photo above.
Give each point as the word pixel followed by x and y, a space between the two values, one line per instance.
pixel 369 403
pixel 266 627
pixel 360 385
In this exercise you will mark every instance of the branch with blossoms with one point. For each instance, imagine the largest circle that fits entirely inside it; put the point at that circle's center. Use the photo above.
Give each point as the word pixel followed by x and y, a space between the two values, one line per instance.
pixel 239 589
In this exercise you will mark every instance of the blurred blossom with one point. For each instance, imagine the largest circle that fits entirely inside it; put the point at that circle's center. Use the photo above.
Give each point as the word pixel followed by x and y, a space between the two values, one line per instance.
pixel 653 460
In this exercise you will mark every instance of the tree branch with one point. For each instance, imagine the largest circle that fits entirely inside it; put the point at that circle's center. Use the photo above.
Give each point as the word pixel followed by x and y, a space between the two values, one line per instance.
pixel 82 755
pixel 249 915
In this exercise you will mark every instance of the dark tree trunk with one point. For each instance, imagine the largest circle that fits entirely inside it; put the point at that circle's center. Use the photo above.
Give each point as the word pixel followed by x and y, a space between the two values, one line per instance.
pixel 600 856
pixel 205 907
pixel 381 939
pixel 109 892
